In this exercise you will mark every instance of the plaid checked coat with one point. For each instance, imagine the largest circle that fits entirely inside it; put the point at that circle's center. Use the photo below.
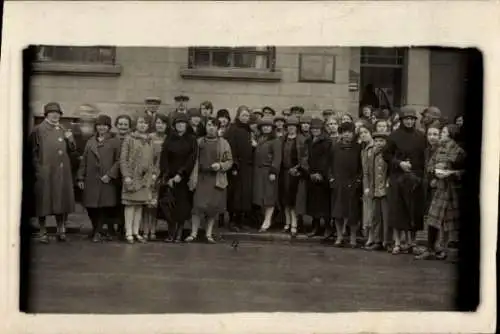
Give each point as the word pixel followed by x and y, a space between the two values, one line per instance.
pixel 444 208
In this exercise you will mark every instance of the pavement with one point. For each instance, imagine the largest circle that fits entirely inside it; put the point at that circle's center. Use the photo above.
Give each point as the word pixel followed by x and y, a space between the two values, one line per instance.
pixel 117 278
pixel 78 223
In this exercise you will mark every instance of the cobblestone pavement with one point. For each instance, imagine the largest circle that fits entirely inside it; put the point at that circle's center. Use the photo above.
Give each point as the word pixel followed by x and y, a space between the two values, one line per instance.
pixel 83 277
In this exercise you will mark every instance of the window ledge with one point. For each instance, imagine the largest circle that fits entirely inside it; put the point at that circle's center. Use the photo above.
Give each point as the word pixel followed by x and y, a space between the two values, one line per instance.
pixel 77 69
pixel 230 74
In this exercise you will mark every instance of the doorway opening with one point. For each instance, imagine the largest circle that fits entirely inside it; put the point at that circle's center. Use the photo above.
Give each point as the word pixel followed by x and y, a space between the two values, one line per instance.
pixel 382 73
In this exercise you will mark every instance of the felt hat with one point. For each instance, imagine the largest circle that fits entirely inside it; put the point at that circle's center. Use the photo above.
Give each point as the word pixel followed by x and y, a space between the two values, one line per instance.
pixel 194 112
pixel 432 112
pixel 327 112
pixel 52 107
pixel 317 123
pixel 180 117
pixel 407 112
pixel 181 97
pixel 279 118
pixel 297 110
pixel 266 120
pixel 257 111
pixel 346 126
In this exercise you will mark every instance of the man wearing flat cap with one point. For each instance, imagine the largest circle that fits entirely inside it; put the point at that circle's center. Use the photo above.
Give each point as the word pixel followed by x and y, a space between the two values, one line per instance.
pixel 151 107
pixel 404 153
pixel 51 146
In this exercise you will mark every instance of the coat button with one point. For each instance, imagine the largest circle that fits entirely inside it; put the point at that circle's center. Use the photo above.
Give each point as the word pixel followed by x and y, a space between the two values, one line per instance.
pixel 57 128
pixel 61 165
pixel 60 139
pixel 60 152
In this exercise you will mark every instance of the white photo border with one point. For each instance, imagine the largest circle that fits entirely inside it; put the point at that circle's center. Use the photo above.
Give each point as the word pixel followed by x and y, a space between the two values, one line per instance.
pixel 175 23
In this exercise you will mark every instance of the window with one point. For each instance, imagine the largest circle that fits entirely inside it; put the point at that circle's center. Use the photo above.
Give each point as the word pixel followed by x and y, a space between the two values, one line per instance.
pixel 76 54
pixel 258 58
pixel 232 63
pixel 392 57
pixel 83 60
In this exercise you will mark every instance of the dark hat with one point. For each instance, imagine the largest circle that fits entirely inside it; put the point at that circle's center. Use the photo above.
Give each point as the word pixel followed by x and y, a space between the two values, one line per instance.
pixel 346 126
pixel 305 119
pixel 279 118
pixel 407 112
pixel 152 100
pixel 380 135
pixel 181 97
pixel 266 120
pixel 292 120
pixel 297 109
pixel 253 119
pixel 436 124
pixel 268 110
pixel 52 107
pixel 432 111
pixel 327 112
pixel 257 111
pixel 194 112
pixel 103 120
pixel 180 117
pixel 223 113
pixel 317 123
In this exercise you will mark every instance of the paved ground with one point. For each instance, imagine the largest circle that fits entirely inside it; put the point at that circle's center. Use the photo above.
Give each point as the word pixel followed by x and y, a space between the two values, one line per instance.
pixel 82 277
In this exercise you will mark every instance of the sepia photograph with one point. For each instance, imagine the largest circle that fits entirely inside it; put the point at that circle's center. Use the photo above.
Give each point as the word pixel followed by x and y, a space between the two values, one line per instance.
pixel 246 179
pixel 249 167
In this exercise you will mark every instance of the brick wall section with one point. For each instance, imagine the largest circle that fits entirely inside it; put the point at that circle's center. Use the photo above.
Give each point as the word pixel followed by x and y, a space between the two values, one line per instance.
pixel 155 71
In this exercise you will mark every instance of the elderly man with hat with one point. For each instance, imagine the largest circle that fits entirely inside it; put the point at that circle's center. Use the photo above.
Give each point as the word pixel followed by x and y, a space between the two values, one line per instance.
pixel 51 146
pixel 405 154
pixel 151 107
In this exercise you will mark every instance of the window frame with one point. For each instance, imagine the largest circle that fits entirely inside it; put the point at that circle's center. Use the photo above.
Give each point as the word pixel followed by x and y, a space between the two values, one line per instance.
pixel 333 78
pixel 270 54
pixel 268 74
pixel 399 57
pixel 82 68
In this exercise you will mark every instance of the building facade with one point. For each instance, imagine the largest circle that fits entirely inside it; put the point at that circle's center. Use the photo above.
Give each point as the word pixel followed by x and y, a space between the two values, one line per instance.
pixel 117 80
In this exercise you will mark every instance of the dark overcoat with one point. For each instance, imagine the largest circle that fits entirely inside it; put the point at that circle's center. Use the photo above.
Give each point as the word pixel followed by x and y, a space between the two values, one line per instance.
pixel 267 161
pixel 444 210
pixel 54 193
pixel 405 193
pixel 318 193
pixel 292 188
pixel 346 181
pixel 99 159
pixel 178 157
pixel 240 190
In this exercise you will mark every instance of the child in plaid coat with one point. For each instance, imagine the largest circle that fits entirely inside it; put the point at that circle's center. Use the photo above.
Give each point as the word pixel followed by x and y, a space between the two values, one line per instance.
pixel 446 167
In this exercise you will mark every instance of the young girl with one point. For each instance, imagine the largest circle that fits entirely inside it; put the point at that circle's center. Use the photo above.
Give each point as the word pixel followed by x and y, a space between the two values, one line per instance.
pixel 381 126
pixel 209 179
pixel 367 162
pixel 293 165
pixel 136 165
pixel 224 119
pixel 376 179
pixel 267 162
pixel 196 123
pixel 177 160
pixel 346 175
pixel 150 211
pixel 446 167
pixel 98 171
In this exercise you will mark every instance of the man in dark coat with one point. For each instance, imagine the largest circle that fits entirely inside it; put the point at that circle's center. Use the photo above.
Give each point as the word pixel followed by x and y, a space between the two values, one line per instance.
pixel 51 147
pixel 152 105
pixel 318 189
pixel 405 155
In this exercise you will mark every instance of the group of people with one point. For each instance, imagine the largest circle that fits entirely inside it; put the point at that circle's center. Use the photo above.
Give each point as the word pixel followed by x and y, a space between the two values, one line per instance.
pixel 380 175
